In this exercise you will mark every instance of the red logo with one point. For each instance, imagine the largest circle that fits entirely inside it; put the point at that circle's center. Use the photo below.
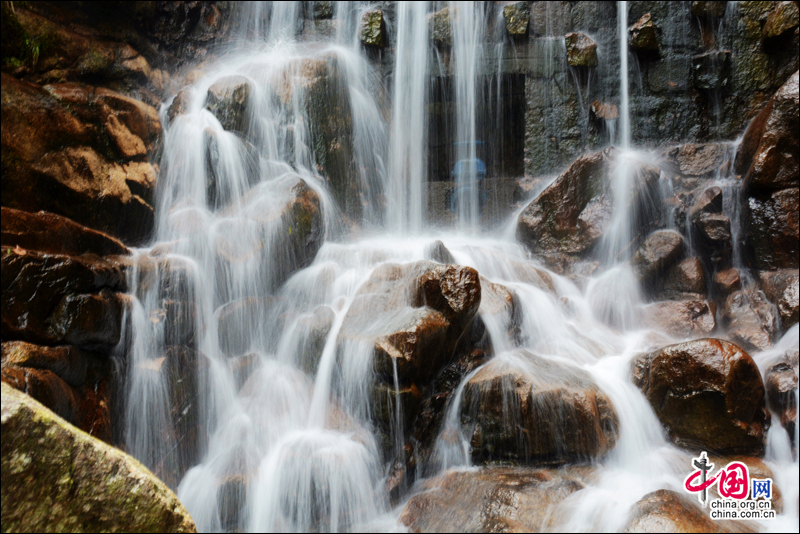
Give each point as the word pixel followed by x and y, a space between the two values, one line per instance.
pixel 733 481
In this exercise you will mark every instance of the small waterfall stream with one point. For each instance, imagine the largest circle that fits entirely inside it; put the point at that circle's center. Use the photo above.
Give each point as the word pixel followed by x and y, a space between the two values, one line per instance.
pixel 277 440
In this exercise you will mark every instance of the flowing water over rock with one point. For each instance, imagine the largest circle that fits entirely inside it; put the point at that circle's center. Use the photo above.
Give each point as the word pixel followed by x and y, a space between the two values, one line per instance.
pixel 297 322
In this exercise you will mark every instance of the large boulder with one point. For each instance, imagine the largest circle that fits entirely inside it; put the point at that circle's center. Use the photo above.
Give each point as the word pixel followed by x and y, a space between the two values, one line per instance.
pixel 491 499
pixel 47 232
pixel 668 511
pixel 708 394
pixel 440 27
pixel 751 319
pixel 657 252
pixel 643 36
pixel 80 152
pixel 781 382
pixel 574 212
pixel 768 156
pixel 518 16
pixel 782 288
pixel 57 478
pixel 373 29
pixel 57 299
pixel 529 409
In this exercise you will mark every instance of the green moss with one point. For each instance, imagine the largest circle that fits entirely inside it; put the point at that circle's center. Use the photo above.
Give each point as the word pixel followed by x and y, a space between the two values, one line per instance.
pixel 19 46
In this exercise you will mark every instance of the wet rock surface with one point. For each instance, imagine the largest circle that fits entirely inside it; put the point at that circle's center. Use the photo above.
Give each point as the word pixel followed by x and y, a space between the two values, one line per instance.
pixel 781 288
pixel 708 394
pixel 373 29
pixel 658 251
pixel 228 99
pixel 517 16
pixel 682 318
pixel 581 50
pixel 536 411
pixel 668 511
pixel 751 319
pixel 644 35
pixel 491 499
pixel 55 477
pixel 781 384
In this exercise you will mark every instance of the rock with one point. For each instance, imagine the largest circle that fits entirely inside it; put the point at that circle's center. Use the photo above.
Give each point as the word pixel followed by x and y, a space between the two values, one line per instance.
pixel 708 394
pixel 711 71
pixel 491 499
pixel 57 157
pixel 669 511
pixel 686 279
pixel 372 28
pixel 604 111
pixel 781 287
pixel 698 160
pixel 502 307
pixel 533 410
pixel 772 227
pixel 727 281
pixel 709 201
pixel 517 16
pixel 439 253
pixel 713 230
pixel 709 9
pixel 781 383
pixel 572 214
pixel 48 232
pixel 751 319
pixel 313 330
pixel 784 18
pixel 550 18
pixel 323 9
pixel 682 318
pixel 46 387
pixel 644 35
pixel 440 28
pixel 239 323
pixel 581 50
pixel 68 362
pixel 768 156
pixel 229 100
pixel 658 251
pixel 56 299
pixel 179 104
pixel 58 478
pixel 414 315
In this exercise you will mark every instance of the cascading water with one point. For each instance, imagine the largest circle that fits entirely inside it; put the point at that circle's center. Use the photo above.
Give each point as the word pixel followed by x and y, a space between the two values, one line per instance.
pixel 268 423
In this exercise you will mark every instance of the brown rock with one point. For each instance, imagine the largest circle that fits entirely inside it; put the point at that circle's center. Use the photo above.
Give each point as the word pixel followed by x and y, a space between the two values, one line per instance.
pixel 781 287
pixel 491 499
pixel 581 50
pixel 768 156
pixel 684 279
pixel 773 230
pixel 709 201
pixel 751 319
pixel 714 232
pixel 709 9
pixel 727 281
pixel 518 16
pixel 708 394
pixel 781 383
pixel 784 18
pixel 603 110
pixel 643 36
pixel 682 318
pixel 698 160
pixel 48 232
pixel 657 252
pixel 555 413
pixel 573 213
pixel 44 386
pixel 128 145
pixel 69 363
pixel 179 104
pixel 668 511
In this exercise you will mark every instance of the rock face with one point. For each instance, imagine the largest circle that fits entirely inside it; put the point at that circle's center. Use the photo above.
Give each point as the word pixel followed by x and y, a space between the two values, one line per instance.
pixel 711 71
pixel 581 50
pixel 686 279
pixel 55 477
pixel 533 410
pixel 668 511
pixel 781 382
pixel 708 394
pixel 57 155
pixel 573 213
pixel 782 20
pixel 773 229
pixel 440 28
pixel 517 17
pixel 491 500
pixel 658 251
pixel 751 319
pixel 228 99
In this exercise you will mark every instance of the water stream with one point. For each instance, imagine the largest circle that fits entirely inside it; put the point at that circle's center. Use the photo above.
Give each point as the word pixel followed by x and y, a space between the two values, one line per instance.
pixel 282 441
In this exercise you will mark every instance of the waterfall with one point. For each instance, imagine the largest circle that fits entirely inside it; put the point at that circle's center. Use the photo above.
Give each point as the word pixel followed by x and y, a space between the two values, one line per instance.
pixel 624 101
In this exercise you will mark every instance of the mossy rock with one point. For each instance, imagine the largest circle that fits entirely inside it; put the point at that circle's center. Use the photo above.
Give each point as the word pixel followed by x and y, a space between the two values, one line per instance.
pixel 58 478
